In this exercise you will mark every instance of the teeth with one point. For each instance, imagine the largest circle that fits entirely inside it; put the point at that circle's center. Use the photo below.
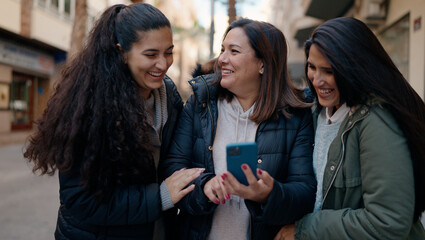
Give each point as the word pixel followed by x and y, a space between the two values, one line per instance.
pixel 323 91
pixel 155 74
pixel 227 71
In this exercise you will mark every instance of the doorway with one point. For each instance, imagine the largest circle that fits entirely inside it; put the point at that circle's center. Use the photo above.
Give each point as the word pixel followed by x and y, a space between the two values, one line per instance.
pixel 21 101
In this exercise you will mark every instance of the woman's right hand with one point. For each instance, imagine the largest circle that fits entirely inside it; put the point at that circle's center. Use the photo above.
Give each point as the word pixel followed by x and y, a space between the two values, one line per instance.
pixel 215 191
pixel 286 233
pixel 177 182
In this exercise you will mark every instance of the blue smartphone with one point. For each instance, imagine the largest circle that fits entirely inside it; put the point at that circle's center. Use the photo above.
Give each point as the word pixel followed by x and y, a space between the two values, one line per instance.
pixel 239 153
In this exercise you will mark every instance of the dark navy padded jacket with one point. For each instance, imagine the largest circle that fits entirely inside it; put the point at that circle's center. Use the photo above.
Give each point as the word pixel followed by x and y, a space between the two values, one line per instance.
pixel 131 211
pixel 285 147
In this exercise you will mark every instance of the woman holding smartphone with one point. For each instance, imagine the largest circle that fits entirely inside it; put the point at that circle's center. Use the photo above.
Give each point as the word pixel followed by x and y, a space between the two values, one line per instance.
pixel 249 98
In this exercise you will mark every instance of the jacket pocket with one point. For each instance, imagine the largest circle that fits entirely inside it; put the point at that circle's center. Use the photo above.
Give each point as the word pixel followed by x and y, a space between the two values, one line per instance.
pixel 341 182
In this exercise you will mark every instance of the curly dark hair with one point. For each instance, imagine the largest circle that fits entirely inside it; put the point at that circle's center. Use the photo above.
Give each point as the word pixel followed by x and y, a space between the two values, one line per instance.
pixel 95 123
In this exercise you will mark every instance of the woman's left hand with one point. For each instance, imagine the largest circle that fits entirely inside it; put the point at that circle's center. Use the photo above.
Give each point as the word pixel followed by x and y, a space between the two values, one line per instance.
pixel 286 233
pixel 257 190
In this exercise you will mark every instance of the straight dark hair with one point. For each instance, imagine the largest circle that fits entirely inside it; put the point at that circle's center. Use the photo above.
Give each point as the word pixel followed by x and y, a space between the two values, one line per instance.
pixel 95 122
pixel 277 93
pixel 363 72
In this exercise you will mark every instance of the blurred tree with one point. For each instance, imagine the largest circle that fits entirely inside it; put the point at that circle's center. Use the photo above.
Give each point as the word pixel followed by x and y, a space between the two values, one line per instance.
pixel 231 7
pixel 26 11
pixel 79 28
pixel 231 10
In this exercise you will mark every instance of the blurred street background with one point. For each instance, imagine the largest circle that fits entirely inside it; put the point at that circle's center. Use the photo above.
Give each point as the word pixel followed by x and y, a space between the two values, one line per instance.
pixel 28 203
pixel 38 36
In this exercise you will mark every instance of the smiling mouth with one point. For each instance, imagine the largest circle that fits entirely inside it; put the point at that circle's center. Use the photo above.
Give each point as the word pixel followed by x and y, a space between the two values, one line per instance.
pixel 155 74
pixel 226 71
pixel 325 91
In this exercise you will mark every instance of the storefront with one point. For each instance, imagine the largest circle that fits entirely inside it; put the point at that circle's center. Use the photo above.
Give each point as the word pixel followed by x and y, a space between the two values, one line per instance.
pixel 25 74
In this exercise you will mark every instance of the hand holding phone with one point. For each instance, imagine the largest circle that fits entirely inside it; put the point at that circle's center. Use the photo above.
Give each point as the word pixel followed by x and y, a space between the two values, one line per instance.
pixel 238 154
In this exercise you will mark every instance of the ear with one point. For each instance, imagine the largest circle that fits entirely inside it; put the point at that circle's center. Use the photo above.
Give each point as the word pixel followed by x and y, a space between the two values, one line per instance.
pixel 119 47
pixel 124 53
pixel 261 71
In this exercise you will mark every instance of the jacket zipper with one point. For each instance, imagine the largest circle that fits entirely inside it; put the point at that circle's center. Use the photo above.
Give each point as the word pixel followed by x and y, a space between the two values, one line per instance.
pixel 340 161
pixel 208 106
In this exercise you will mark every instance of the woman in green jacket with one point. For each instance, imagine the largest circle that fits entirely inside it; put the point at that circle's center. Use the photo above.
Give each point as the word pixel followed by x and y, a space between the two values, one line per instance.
pixel 369 156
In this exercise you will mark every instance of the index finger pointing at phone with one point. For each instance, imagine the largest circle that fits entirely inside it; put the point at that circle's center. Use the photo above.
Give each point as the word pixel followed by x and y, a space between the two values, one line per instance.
pixel 250 177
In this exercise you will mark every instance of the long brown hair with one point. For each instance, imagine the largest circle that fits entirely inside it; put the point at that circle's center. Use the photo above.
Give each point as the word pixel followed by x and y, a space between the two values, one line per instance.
pixel 277 94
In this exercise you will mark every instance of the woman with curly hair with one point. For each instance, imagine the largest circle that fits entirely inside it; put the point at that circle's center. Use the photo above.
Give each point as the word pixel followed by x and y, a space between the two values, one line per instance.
pixel 107 128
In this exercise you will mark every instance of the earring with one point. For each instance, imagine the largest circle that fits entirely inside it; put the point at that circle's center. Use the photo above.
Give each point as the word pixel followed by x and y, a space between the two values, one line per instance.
pixel 261 71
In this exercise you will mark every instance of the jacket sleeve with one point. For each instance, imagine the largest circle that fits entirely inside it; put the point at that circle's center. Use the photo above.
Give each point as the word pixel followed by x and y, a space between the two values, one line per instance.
pixel 181 155
pixel 387 189
pixel 138 204
pixel 290 200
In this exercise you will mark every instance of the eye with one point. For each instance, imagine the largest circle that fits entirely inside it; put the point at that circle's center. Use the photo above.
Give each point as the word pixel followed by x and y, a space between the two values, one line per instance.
pixel 150 54
pixel 222 50
pixel 169 53
pixel 235 51
pixel 329 72
pixel 312 67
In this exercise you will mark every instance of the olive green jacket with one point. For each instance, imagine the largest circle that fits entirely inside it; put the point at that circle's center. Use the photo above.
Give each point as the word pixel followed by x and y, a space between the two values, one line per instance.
pixel 368 185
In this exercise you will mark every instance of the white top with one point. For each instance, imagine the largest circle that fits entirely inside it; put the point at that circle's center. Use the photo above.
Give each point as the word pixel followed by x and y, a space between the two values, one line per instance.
pixel 231 220
pixel 326 131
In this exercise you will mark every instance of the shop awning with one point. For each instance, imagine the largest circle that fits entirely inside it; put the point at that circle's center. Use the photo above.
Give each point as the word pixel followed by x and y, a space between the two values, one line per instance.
pixel 328 9
pixel 303 34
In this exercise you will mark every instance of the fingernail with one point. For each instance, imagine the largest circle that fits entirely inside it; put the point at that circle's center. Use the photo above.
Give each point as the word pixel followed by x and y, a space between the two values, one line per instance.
pixel 222 183
pixel 217 202
pixel 260 172
pixel 225 175
pixel 223 202
pixel 227 196
pixel 244 167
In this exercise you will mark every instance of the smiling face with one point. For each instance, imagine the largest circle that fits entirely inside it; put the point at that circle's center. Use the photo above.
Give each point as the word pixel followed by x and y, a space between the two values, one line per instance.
pixel 240 68
pixel 150 58
pixel 320 73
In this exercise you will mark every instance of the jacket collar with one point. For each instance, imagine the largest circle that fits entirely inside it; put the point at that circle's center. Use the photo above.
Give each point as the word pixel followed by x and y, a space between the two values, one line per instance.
pixel 356 112
pixel 203 89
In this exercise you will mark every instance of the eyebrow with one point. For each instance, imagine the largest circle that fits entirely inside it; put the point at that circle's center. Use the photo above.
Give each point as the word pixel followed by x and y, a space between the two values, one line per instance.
pixel 232 45
pixel 324 68
pixel 156 50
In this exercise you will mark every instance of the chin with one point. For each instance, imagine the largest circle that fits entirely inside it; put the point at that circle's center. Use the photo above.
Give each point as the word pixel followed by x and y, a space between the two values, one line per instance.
pixel 225 83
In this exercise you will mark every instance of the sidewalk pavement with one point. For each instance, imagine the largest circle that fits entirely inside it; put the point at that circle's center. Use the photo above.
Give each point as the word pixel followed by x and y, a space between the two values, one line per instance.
pixel 14 137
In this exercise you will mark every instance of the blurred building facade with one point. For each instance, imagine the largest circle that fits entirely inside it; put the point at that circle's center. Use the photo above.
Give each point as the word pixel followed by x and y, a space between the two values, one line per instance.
pixel 35 36
pixel 397 23
pixel 191 41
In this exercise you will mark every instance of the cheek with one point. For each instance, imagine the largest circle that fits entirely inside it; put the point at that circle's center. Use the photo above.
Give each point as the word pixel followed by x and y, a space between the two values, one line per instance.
pixel 170 61
pixel 310 76
pixel 220 60
pixel 337 95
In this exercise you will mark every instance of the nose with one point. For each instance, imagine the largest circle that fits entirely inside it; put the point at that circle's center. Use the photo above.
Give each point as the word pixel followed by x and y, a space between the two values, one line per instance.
pixel 222 58
pixel 317 78
pixel 161 64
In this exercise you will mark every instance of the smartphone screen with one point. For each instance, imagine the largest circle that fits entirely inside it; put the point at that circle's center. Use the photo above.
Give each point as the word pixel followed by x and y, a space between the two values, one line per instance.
pixel 238 154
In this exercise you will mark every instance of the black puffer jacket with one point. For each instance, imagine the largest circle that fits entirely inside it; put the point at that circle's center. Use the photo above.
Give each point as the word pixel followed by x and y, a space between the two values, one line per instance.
pixel 131 211
pixel 285 147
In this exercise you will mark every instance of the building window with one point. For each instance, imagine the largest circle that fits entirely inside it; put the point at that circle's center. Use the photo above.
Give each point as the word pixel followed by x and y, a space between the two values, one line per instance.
pixel 54 4
pixel 63 8
pixel 395 40
pixel 67 9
